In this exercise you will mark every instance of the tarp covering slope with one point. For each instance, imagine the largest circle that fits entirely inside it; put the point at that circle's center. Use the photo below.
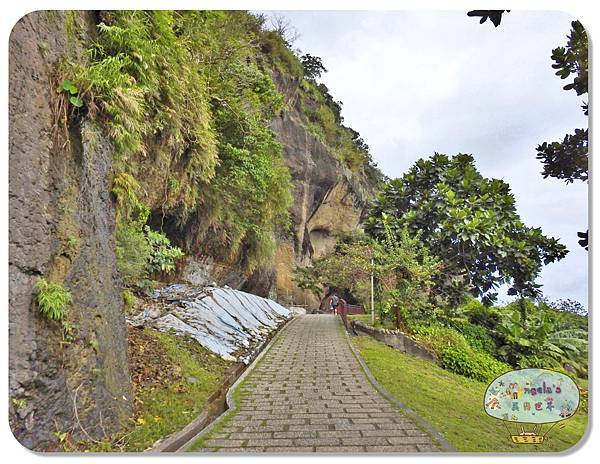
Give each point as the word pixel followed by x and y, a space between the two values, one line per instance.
pixel 225 321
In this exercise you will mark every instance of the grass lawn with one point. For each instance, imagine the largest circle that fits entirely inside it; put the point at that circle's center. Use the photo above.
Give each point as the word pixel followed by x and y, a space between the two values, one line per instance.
pixel 453 403
pixel 170 405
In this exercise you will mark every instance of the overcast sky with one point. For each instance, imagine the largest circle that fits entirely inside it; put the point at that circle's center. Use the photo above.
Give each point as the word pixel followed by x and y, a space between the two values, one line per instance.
pixel 413 83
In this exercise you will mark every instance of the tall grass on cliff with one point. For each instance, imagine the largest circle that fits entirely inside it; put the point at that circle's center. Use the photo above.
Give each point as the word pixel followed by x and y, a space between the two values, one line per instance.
pixel 191 88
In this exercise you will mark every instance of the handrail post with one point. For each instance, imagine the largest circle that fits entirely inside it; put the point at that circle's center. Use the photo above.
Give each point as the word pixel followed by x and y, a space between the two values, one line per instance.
pixel 372 294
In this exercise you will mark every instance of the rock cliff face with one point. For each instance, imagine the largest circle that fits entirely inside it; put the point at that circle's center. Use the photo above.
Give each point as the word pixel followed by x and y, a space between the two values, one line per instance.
pixel 328 198
pixel 62 228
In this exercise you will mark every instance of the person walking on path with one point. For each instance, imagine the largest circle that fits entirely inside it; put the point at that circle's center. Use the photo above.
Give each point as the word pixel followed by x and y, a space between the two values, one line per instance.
pixel 334 301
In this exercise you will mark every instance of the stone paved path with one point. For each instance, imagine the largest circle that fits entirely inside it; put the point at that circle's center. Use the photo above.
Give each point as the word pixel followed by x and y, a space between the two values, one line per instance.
pixel 309 393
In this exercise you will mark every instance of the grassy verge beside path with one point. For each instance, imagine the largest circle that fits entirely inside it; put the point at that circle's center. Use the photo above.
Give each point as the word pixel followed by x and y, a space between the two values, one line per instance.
pixel 453 403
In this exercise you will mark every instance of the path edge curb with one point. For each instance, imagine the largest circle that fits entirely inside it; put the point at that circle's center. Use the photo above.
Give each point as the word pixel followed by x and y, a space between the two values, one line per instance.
pixel 230 401
pixel 444 443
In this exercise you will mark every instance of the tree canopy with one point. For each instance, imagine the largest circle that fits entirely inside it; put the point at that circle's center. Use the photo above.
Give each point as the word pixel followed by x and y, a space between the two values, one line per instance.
pixel 402 267
pixel 568 160
pixel 468 221
pixel 313 66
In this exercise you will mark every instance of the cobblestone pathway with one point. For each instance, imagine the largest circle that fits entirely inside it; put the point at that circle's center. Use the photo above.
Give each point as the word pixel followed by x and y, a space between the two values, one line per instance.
pixel 309 393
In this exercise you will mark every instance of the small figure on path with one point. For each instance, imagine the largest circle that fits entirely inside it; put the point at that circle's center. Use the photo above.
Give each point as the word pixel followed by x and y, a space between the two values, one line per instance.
pixel 334 301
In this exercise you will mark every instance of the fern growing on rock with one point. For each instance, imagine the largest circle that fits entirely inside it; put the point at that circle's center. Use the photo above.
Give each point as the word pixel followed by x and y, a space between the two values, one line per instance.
pixel 52 299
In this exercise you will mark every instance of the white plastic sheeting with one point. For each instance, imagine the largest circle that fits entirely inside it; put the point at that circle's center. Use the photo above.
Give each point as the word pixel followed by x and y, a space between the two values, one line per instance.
pixel 225 321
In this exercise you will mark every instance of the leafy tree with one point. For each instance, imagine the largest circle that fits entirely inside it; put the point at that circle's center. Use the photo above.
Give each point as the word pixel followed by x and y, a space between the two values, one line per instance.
pixel 569 306
pixel 573 60
pixel 406 272
pixel 470 222
pixel 568 160
pixel 313 66
pixel 401 266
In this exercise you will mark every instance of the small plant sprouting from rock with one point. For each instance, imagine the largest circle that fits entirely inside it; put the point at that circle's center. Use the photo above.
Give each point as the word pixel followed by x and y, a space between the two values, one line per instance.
pixel 74 97
pixel 68 332
pixel 52 299
pixel 70 245
pixel 19 404
pixel 129 300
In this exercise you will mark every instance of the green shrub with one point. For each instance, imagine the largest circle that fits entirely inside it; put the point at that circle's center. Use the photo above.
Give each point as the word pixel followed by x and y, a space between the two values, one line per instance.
pixel 129 300
pixel 163 256
pixel 439 338
pixel 52 299
pixel 141 250
pixel 458 356
pixel 472 363
pixel 477 336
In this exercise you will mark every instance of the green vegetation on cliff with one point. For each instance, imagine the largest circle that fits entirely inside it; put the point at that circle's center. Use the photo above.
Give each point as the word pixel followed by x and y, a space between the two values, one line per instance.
pixel 52 299
pixel 193 92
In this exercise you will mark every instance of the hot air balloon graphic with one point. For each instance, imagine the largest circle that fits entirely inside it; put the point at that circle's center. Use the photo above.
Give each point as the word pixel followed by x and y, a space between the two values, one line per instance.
pixel 530 398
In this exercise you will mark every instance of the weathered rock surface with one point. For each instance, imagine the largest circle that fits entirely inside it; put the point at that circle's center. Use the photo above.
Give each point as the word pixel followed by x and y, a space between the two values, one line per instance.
pixel 61 228
pixel 328 199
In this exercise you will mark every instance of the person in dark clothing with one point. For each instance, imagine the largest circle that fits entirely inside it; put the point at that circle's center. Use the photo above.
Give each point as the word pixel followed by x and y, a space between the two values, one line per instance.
pixel 334 301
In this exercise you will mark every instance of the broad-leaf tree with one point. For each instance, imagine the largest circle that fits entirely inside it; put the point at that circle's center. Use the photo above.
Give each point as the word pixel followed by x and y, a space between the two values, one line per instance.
pixel 468 221
pixel 403 269
pixel 568 159
pixel 313 66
